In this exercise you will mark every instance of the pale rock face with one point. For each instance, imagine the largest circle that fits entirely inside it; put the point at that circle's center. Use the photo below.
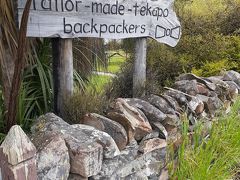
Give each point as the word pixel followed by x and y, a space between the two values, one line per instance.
pixel 86 160
pixel 17 156
pixel 53 160
pixel 196 105
pixel 110 148
pixel 17 147
pixel 114 129
pixel 132 119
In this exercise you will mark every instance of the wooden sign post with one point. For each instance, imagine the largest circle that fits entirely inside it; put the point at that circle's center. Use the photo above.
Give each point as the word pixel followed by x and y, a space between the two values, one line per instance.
pixel 139 69
pixel 62 73
pixel 112 19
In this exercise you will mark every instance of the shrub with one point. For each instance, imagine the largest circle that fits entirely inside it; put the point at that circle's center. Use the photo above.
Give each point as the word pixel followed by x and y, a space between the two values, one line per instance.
pixel 82 103
pixel 214 68
pixel 121 86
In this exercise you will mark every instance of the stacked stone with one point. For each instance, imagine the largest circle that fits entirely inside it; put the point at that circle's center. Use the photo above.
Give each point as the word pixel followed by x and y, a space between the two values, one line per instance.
pixel 130 142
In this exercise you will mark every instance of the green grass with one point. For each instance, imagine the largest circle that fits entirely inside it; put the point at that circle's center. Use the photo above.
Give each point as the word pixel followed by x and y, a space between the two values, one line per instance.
pixel 115 62
pixel 98 82
pixel 213 158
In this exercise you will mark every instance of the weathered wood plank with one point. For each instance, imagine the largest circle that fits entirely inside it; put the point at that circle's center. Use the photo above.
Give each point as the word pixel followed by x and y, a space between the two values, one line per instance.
pixel 103 18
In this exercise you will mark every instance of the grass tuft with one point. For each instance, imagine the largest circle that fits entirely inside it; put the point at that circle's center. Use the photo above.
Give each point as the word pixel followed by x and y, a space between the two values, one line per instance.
pixel 216 156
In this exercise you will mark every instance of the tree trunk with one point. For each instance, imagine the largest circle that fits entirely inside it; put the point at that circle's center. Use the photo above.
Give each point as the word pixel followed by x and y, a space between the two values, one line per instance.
pixel 7 71
pixel 19 64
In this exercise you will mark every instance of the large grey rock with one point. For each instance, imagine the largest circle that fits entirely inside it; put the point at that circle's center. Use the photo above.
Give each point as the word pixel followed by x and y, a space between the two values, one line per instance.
pixel 232 76
pixel 212 104
pixel 160 103
pixel 150 164
pixel 157 118
pixel 218 81
pixel 190 76
pixel 191 103
pixel 186 86
pixel 114 129
pixel 178 96
pixel 151 112
pixel 192 87
pixel 222 88
pixel 87 146
pixel 110 166
pixel 130 163
pixel 53 160
pixel 132 119
pixel 172 102
pixel 17 156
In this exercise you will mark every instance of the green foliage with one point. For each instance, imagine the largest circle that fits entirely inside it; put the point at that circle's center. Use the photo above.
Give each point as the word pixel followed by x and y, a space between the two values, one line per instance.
pixel 128 45
pixel 115 63
pixel 122 85
pixel 82 103
pixel 97 83
pixel 213 157
pixel 113 45
pixel 203 49
pixel 214 68
pixel 36 94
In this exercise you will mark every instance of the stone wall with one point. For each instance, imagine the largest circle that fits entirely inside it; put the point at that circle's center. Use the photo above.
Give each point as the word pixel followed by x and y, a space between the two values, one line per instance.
pixel 129 142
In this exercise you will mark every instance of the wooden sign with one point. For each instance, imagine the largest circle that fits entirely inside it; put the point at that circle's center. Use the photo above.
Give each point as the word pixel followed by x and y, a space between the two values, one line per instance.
pixel 113 19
